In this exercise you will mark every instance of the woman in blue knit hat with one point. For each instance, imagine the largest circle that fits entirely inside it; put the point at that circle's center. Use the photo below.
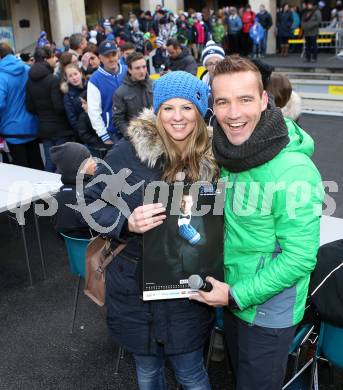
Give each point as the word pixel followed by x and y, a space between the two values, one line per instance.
pixel 164 141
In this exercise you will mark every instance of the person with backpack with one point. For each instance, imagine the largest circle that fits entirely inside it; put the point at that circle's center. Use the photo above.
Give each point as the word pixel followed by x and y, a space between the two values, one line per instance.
pixel 311 20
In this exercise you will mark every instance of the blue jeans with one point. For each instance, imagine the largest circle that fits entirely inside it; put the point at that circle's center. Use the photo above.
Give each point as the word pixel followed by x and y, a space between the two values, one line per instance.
pixel 264 43
pixel 47 144
pixel 188 367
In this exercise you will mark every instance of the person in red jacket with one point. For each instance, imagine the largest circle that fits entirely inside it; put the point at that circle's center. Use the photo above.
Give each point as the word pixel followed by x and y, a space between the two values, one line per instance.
pixel 200 38
pixel 248 18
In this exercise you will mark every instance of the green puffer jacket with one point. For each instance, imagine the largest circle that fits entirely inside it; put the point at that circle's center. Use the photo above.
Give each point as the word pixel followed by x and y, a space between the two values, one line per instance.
pixel 272 219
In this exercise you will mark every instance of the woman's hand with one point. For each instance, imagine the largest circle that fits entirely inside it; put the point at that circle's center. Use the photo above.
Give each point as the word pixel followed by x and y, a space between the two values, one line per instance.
pixel 146 217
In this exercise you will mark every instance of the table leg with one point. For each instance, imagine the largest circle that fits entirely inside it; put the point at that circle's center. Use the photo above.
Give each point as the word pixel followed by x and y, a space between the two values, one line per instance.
pixel 22 227
pixel 39 244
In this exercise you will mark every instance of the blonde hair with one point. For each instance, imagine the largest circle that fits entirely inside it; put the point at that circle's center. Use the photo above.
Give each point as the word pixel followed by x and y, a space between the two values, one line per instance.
pixel 71 66
pixel 197 145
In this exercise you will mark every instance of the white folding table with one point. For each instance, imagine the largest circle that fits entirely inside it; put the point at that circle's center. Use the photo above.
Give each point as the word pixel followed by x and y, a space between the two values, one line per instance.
pixel 331 229
pixel 19 187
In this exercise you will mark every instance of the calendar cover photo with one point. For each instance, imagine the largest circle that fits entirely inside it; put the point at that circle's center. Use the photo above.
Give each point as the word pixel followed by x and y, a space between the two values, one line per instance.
pixel 190 241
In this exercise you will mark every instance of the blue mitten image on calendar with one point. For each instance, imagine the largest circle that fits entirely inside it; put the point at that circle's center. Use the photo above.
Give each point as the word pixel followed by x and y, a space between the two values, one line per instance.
pixel 188 232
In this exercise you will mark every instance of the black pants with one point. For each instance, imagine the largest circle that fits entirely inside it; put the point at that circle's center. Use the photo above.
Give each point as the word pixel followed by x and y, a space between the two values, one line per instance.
pixel 234 43
pixel 26 155
pixel 246 44
pixel 258 355
pixel 311 48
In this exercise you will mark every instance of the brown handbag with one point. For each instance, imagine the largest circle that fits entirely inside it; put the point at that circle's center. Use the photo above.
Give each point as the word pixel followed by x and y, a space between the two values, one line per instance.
pixel 98 255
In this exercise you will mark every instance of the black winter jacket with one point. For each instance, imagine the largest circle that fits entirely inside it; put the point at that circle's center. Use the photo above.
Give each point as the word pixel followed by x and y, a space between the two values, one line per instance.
pixel 67 220
pixel 326 285
pixel 129 100
pixel 284 24
pixel 184 61
pixel 87 134
pixel 72 104
pixel 180 325
pixel 44 98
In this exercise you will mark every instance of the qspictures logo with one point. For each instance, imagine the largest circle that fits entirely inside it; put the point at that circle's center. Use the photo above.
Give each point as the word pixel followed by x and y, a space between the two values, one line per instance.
pixel 107 191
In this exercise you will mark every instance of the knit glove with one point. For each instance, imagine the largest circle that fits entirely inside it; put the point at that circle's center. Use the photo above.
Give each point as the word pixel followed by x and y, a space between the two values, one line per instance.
pixel 189 234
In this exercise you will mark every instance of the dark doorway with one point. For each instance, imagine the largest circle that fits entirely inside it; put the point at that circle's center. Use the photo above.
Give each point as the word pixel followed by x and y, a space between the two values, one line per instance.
pixel 234 3
pixel 93 12
pixel 44 13
pixel 198 5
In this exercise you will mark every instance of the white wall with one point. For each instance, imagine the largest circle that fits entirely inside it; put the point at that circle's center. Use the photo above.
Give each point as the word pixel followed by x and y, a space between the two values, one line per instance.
pixel 66 18
pixel 25 9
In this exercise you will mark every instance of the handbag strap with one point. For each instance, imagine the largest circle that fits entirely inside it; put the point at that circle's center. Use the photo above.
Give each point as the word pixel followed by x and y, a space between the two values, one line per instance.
pixel 114 253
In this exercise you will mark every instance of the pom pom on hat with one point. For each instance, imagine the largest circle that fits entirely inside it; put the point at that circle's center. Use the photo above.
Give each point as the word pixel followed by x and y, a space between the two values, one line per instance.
pixel 212 50
pixel 180 84
pixel 159 42
pixel 107 24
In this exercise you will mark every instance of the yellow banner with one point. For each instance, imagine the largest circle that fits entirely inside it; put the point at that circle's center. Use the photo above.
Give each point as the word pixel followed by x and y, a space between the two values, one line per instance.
pixel 335 89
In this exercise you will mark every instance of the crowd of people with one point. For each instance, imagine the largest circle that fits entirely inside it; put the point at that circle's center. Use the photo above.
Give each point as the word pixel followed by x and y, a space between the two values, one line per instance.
pixel 95 98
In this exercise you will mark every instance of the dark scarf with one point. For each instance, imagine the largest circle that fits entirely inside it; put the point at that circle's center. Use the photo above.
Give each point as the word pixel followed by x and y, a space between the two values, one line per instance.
pixel 267 140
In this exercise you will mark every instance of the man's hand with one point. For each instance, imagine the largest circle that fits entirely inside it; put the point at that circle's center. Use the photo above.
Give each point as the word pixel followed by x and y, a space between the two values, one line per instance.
pixel 218 296
pixel 109 142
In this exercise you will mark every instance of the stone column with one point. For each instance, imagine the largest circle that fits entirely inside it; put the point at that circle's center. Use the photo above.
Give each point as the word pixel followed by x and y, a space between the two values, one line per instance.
pixel 66 18
pixel 270 7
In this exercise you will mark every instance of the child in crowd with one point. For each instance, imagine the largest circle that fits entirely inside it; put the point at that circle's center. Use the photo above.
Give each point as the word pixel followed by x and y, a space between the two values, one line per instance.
pixel 218 31
pixel 160 56
pixel 68 158
pixel 87 134
pixel 72 89
pixel 285 98
pixel 256 33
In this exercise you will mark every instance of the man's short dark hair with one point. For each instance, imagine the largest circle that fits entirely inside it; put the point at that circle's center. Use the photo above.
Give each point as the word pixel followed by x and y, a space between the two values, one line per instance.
pixel 5 49
pixel 25 57
pixel 75 40
pixel 173 42
pixel 91 47
pixel 235 64
pixel 127 46
pixel 42 53
pixel 135 56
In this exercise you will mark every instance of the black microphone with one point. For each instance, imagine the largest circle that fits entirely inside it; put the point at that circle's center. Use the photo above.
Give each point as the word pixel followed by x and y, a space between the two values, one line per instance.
pixel 195 282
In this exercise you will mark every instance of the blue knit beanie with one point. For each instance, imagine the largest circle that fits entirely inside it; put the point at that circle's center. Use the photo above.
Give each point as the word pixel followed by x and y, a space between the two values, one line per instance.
pixel 182 85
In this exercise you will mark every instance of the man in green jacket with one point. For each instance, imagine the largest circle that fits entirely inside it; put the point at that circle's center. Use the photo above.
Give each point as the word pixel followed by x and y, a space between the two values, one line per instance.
pixel 272 216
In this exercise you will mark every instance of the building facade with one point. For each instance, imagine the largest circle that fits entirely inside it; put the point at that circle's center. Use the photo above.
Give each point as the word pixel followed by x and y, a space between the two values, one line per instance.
pixel 22 20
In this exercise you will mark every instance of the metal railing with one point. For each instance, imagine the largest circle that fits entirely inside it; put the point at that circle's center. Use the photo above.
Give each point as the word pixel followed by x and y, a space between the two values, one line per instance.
pixel 330 37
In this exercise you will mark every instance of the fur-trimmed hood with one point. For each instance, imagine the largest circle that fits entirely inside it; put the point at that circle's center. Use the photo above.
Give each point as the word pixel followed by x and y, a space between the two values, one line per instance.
pixel 149 146
pixel 292 109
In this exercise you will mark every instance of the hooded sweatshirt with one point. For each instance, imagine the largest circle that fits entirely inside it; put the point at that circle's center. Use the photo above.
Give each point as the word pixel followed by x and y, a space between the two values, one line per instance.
pixel 184 61
pixel 16 124
pixel 129 100
pixel 44 98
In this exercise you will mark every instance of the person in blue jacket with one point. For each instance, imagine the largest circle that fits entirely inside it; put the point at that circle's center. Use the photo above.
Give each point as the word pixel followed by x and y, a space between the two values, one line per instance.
pixel 72 89
pixel 100 90
pixel 256 33
pixel 17 126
